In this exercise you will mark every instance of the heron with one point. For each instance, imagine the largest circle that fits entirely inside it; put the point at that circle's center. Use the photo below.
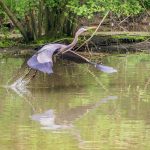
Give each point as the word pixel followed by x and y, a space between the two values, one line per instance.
pixel 42 59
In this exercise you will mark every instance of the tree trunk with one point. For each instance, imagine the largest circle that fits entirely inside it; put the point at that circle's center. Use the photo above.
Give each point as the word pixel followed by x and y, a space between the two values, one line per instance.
pixel 33 24
pixel 29 29
pixel 14 19
pixel 52 20
pixel 40 17
pixel 47 21
pixel 70 25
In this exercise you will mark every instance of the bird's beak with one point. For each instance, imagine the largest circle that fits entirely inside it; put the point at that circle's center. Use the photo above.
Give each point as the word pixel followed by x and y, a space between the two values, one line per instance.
pixel 90 28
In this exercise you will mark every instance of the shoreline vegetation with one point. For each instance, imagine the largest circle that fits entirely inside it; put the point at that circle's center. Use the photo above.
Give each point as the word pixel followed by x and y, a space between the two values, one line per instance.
pixel 122 27
pixel 36 20
pixel 102 42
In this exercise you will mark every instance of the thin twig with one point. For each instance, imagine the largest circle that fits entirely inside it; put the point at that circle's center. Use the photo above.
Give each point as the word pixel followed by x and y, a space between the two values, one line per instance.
pixel 62 52
pixel 94 31
pixel 123 20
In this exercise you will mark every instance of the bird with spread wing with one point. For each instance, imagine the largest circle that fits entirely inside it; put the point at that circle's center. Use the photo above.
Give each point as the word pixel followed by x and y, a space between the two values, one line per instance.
pixel 42 60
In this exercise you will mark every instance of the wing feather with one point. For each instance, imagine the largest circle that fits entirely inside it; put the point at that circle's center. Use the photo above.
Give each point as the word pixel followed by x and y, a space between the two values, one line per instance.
pixel 46 53
pixel 42 60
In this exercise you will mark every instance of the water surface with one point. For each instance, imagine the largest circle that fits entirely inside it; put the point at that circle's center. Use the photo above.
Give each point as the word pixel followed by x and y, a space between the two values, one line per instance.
pixel 77 107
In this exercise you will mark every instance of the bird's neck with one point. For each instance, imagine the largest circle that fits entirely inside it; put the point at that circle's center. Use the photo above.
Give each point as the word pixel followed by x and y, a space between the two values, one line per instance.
pixel 74 42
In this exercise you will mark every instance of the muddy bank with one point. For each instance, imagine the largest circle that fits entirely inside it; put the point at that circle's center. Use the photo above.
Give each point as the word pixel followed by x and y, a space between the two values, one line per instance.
pixel 102 42
pixel 120 42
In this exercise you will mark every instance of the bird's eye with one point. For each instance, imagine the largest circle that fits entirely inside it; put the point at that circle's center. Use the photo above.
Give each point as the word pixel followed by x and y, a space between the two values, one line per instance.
pixel 85 27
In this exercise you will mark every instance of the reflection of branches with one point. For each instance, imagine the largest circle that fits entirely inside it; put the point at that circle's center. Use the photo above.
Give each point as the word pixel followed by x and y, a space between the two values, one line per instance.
pixel 30 104
pixel 25 96
pixel 97 79
pixel 147 83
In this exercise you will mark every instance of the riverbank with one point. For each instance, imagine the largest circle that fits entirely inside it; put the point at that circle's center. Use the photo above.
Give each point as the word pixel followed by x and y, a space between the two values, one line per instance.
pixel 102 42
pixel 120 42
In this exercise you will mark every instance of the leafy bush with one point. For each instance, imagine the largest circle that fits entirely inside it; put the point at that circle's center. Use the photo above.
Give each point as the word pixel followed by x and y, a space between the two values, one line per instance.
pixel 59 17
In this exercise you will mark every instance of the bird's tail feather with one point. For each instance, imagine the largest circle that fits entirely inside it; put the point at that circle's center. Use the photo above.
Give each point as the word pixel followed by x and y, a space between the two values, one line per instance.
pixel 106 69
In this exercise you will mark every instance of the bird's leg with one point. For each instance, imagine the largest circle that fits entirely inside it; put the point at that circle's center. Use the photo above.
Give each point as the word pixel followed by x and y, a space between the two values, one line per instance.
pixel 27 74
pixel 34 74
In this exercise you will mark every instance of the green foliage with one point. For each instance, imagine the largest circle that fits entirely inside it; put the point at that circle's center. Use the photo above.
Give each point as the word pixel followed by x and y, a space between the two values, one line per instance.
pixel 129 38
pixel 126 8
pixel 88 8
pixel 60 17
pixel 17 6
pixel 6 43
pixel 145 4
pixel 81 8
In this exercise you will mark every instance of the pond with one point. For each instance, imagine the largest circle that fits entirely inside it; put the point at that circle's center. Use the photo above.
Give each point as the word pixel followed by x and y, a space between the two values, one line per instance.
pixel 77 107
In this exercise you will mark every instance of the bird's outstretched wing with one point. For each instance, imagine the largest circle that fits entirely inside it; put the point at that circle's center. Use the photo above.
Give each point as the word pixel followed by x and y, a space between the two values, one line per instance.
pixel 45 53
pixel 42 60
pixel 73 56
pixel 44 67
pixel 106 69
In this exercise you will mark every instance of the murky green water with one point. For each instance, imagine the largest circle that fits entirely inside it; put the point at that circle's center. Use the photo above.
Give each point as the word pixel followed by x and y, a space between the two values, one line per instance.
pixel 78 107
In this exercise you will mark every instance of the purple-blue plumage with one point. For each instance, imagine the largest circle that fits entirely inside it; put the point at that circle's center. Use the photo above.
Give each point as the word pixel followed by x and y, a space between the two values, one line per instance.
pixel 44 67
pixel 42 61
pixel 106 69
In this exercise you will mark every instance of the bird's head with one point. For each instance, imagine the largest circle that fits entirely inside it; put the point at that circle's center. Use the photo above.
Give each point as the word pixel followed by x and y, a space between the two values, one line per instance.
pixel 84 29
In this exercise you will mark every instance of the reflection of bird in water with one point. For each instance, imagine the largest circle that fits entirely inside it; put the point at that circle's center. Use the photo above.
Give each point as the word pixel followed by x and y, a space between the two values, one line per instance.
pixel 50 120
pixel 53 121
pixel 43 62
pixel 47 120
